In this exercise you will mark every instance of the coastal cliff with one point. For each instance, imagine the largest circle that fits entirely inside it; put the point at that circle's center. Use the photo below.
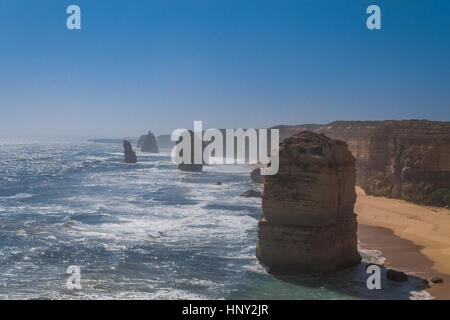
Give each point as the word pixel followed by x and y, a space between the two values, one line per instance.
pixel 406 159
pixel 308 223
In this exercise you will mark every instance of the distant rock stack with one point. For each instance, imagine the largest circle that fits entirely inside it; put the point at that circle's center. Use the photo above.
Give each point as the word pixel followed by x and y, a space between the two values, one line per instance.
pixel 130 155
pixel 308 223
pixel 140 141
pixel 149 143
pixel 192 166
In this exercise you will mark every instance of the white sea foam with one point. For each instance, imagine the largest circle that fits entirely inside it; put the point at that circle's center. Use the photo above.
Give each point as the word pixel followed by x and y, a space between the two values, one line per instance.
pixel 371 256
pixel 421 295
pixel 17 196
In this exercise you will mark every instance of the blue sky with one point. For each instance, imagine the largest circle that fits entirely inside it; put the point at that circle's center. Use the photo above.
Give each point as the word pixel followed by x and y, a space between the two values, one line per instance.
pixel 160 65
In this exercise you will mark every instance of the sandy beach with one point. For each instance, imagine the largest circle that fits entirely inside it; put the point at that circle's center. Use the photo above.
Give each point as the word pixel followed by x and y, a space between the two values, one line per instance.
pixel 412 238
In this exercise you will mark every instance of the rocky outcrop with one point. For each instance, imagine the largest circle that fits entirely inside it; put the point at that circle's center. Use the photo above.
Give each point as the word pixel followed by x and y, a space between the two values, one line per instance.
pixel 396 276
pixel 252 194
pixel 190 167
pixel 256 176
pixel 406 159
pixel 130 155
pixel 436 280
pixel 308 223
pixel 149 143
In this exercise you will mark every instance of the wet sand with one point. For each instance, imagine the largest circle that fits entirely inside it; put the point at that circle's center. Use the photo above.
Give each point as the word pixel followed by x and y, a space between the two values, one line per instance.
pixel 412 238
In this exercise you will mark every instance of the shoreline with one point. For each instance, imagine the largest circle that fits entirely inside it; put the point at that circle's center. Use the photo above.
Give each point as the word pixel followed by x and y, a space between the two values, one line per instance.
pixel 411 238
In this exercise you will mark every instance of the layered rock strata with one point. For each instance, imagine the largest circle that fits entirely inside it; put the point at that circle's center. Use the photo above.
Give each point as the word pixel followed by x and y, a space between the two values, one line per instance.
pixel 308 223
pixel 405 159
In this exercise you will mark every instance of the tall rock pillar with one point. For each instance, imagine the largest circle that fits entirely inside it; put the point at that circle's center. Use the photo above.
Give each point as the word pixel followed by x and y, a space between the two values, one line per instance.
pixel 308 223
pixel 130 155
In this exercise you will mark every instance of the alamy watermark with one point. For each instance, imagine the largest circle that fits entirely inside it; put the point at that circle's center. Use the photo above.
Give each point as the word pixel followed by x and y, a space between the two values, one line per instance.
pixel 248 146
pixel 374 280
pixel 74 280
pixel 73 22
pixel 374 20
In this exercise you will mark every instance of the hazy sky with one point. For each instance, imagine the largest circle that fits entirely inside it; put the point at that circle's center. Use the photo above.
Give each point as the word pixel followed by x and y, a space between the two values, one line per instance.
pixel 160 65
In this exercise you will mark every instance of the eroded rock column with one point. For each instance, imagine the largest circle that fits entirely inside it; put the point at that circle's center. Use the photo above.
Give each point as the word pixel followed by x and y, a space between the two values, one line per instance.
pixel 308 223
pixel 130 155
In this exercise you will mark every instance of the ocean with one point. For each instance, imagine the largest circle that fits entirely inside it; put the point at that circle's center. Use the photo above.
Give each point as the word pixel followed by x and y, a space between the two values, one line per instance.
pixel 142 231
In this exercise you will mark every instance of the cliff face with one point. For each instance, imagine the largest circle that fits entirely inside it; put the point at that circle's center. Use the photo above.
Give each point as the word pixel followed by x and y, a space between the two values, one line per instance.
pixel 400 159
pixel 308 224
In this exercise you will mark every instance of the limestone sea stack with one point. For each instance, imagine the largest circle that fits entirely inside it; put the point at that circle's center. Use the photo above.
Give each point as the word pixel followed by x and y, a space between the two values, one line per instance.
pixel 140 141
pixel 130 155
pixel 149 143
pixel 308 223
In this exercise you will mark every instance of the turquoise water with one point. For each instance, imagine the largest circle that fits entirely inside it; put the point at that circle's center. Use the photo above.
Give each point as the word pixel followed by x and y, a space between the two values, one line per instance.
pixel 143 231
